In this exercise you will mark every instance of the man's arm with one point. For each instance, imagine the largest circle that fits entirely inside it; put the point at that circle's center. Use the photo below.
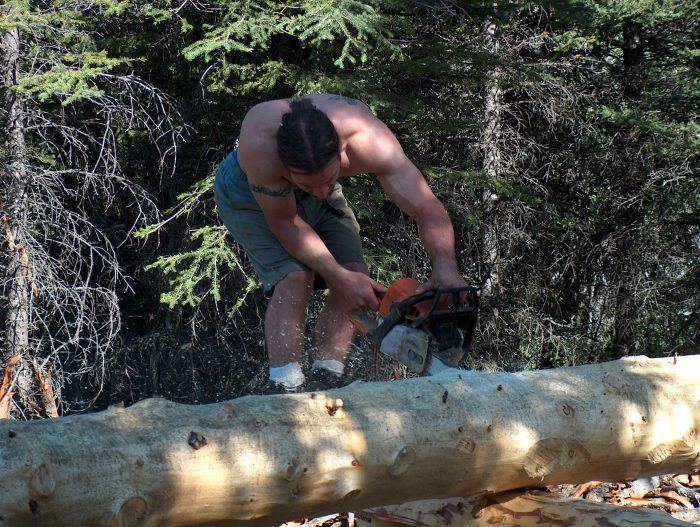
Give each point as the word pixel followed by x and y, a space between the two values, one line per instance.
pixel 409 191
pixel 407 188
pixel 303 243
pixel 275 195
pixel 294 234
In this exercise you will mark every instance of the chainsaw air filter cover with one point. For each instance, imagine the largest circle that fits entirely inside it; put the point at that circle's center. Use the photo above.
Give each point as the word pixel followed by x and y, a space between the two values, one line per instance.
pixel 407 345
pixel 446 318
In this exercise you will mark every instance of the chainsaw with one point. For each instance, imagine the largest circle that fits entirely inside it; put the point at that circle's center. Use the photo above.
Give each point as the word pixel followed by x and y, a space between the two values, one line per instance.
pixel 426 332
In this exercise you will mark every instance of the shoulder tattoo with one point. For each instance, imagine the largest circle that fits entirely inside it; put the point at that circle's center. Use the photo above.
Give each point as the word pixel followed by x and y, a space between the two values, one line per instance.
pixel 260 189
pixel 348 100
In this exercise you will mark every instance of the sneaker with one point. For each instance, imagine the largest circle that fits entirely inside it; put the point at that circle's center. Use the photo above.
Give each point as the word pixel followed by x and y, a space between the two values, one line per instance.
pixel 322 379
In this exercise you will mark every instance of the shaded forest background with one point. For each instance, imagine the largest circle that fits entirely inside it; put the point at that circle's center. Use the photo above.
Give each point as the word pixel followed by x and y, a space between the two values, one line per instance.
pixel 563 138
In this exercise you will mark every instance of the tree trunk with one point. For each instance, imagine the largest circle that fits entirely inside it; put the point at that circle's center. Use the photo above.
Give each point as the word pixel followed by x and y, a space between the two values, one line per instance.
pixel 13 205
pixel 514 509
pixel 491 145
pixel 261 460
pixel 633 59
pixel 627 308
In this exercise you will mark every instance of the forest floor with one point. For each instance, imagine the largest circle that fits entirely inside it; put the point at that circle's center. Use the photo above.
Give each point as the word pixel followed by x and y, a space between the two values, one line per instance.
pixel 678 495
pixel 675 494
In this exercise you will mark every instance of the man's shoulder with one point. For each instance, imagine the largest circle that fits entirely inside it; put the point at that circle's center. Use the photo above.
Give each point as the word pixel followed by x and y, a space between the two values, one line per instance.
pixel 257 155
pixel 269 113
pixel 257 141
pixel 257 138
pixel 343 101
pixel 266 114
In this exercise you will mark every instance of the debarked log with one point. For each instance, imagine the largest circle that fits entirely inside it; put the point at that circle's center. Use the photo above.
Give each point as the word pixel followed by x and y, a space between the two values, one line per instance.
pixel 263 460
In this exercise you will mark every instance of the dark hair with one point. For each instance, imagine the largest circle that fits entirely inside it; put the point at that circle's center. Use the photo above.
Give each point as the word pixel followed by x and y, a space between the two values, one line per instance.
pixel 306 138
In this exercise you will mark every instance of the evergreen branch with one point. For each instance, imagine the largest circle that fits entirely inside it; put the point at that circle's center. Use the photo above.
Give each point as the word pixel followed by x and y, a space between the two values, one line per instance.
pixel 196 272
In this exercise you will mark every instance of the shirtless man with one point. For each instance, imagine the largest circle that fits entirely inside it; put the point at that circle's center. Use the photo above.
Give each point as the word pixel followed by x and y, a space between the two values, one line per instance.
pixel 278 195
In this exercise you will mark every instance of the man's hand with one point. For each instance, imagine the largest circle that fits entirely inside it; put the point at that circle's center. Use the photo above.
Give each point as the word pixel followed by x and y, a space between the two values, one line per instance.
pixel 358 290
pixel 442 279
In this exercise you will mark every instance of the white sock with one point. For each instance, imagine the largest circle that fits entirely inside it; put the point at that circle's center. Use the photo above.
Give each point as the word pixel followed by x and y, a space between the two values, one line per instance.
pixel 334 366
pixel 290 375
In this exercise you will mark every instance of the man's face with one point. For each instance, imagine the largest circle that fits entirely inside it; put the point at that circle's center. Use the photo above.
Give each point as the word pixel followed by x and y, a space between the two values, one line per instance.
pixel 318 184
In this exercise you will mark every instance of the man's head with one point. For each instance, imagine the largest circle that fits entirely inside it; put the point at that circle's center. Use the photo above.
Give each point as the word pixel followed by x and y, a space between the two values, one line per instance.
pixel 309 147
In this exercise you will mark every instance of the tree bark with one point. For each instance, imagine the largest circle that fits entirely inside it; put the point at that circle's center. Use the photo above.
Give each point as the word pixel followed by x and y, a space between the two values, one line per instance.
pixel 13 205
pixel 633 60
pixel 491 145
pixel 514 509
pixel 262 460
pixel 630 216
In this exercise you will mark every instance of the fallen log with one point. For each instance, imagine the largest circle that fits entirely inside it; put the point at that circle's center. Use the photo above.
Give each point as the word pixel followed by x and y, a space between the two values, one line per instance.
pixel 262 460
pixel 514 509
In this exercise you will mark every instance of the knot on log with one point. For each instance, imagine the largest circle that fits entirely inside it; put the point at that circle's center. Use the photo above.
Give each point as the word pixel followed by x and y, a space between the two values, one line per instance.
pixel 466 446
pixel 692 439
pixel 41 482
pixel 333 405
pixel 132 513
pixel 228 411
pixel 551 454
pixel 403 461
pixel 294 470
pixel 196 440
pixel 349 497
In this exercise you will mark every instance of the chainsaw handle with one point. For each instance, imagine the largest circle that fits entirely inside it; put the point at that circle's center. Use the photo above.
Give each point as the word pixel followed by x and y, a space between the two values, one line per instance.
pixel 437 294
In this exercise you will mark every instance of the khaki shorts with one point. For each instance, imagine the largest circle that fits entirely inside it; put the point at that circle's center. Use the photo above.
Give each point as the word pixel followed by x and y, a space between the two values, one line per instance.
pixel 332 220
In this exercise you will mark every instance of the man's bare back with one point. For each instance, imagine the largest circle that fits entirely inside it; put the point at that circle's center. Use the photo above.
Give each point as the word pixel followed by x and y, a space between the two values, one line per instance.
pixel 362 138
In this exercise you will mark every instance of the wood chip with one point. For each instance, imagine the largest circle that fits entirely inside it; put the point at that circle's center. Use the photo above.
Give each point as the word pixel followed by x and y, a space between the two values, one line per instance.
pixel 655 503
pixel 673 495
pixel 584 487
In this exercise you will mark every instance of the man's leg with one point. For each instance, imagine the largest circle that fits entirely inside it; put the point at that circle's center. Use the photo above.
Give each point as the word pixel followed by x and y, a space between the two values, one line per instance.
pixel 285 321
pixel 334 332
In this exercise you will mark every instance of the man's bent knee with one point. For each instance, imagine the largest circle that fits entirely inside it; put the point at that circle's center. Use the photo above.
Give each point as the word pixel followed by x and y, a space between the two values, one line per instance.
pixel 296 285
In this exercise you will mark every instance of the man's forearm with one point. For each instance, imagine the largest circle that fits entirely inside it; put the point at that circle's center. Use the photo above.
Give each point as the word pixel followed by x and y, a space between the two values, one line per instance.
pixel 437 235
pixel 304 244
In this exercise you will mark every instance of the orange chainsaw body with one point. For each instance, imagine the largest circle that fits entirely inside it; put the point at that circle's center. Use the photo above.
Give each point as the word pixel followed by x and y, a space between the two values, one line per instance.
pixel 402 289
pixel 410 327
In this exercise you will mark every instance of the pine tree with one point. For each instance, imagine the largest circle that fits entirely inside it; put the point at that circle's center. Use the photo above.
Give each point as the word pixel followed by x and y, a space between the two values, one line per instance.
pixel 70 110
pixel 644 182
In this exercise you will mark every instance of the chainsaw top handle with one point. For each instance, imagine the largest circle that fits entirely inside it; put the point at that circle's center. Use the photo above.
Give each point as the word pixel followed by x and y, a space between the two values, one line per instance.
pixel 397 304
pixel 418 308
pixel 446 301
pixel 437 294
